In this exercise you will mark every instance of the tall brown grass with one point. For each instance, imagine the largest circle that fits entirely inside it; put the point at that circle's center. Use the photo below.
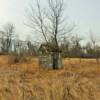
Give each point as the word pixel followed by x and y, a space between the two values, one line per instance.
pixel 77 81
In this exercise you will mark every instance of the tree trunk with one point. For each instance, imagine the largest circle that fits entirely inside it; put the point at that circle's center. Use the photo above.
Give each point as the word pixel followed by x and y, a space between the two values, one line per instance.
pixel 55 60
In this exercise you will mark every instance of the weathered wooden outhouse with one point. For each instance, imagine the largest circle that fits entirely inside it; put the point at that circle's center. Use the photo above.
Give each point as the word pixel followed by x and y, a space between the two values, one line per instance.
pixel 49 59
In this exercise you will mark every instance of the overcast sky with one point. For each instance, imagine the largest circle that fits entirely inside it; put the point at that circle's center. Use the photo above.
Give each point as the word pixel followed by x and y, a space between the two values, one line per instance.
pixel 85 13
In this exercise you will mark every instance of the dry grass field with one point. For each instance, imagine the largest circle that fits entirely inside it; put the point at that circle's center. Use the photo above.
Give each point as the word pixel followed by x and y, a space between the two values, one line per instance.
pixel 26 81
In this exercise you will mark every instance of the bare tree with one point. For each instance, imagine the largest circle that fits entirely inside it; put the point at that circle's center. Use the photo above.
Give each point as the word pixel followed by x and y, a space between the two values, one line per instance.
pixel 7 35
pixel 77 46
pixel 66 47
pixel 94 47
pixel 31 49
pixel 51 24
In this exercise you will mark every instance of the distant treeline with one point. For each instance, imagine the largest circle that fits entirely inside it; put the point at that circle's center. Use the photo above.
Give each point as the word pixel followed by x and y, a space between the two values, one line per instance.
pixel 68 49
pixel 75 49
